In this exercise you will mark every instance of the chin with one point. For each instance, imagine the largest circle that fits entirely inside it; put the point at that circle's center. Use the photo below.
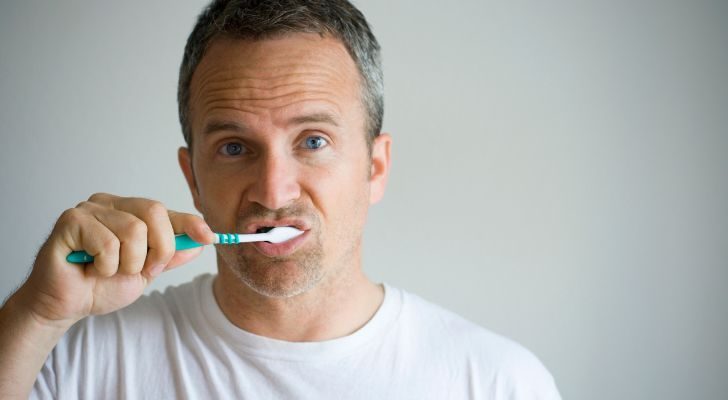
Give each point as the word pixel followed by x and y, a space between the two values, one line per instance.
pixel 278 277
pixel 282 280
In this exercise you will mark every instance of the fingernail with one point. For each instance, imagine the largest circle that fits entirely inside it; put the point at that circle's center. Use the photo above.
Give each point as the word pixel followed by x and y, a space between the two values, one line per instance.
pixel 156 270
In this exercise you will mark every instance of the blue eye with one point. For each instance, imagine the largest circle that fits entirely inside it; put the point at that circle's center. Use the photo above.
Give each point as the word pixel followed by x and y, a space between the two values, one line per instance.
pixel 232 149
pixel 315 142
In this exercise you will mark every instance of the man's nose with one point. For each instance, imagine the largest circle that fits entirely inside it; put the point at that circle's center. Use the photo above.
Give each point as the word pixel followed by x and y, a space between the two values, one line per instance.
pixel 276 184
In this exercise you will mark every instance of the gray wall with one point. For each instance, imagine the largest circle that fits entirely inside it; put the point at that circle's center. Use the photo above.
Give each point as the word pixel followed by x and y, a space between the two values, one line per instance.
pixel 560 168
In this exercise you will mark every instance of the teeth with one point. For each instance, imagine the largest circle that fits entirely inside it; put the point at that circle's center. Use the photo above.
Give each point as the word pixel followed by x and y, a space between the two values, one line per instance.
pixel 266 229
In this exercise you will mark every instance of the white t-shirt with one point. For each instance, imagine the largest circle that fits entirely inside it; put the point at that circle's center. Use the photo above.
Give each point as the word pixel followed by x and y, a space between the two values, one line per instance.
pixel 179 345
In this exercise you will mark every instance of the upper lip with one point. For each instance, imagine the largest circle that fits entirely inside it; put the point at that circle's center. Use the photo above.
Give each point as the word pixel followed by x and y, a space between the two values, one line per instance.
pixel 252 226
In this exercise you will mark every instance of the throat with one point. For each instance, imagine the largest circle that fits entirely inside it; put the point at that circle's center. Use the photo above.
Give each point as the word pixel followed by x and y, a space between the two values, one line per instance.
pixel 329 311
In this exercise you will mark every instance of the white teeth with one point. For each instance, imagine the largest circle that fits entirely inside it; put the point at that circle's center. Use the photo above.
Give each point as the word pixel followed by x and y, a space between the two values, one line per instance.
pixel 265 229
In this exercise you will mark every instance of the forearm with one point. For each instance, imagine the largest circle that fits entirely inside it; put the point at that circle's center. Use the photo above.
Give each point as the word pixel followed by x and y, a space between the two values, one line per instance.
pixel 25 342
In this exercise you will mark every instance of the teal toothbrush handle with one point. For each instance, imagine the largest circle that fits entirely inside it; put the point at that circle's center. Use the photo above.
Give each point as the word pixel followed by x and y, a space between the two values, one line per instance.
pixel 181 242
pixel 184 242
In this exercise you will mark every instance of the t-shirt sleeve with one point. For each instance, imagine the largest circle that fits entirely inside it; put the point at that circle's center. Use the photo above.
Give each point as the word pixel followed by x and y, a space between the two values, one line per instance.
pixel 524 377
pixel 541 387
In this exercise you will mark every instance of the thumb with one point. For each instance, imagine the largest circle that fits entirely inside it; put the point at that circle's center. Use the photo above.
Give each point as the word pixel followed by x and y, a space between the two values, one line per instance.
pixel 183 257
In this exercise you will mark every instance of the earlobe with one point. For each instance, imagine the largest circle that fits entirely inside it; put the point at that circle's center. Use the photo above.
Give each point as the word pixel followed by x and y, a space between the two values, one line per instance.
pixel 381 148
pixel 185 162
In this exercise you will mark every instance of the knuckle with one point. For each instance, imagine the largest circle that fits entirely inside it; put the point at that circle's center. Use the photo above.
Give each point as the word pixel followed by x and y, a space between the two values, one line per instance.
pixel 156 209
pixel 134 229
pixel 97 197
pixel 185 219
pixel 166 252
pixel 85 204
pixel 163 249
pixel 164 241
pixel 70 216
pixel 110 245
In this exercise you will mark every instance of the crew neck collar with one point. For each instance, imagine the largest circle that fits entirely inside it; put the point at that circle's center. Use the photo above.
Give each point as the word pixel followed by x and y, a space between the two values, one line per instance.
pixel 261 346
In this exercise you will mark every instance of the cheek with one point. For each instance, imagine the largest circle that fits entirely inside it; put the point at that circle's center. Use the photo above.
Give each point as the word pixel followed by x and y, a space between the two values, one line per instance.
pixel 342 232
pixel 219 196
pixel 342 197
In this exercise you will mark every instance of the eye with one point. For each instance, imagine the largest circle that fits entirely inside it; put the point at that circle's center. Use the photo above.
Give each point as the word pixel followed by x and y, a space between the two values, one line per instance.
pixel 315 142
pixel 232 149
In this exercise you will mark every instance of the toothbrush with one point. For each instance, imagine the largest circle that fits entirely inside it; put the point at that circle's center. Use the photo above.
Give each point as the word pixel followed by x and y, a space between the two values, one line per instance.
pixel 183 242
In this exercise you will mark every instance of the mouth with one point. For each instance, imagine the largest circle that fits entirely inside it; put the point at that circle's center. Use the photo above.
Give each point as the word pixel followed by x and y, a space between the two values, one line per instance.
pixel 264 226
pixel 282 249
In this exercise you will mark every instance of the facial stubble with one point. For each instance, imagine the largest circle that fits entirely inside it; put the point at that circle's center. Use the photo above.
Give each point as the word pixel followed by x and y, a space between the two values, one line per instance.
pixel 278 277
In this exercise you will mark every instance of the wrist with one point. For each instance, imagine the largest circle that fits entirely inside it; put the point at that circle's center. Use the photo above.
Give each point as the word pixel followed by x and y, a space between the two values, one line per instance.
pixel 25 342
pixel 21 309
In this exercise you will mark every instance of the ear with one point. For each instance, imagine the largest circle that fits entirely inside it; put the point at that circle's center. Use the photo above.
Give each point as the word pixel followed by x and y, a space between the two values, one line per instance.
pixel 185 163
pixel 380 167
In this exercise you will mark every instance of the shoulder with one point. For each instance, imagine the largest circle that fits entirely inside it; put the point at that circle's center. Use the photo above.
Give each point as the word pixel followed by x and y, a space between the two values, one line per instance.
pixel 482 356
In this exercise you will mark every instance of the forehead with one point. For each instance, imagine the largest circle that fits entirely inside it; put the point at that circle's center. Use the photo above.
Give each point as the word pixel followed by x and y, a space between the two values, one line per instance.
pixel 272 79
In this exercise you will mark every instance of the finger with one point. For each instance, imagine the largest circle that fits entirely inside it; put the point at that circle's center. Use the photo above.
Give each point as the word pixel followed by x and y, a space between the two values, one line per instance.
pixel 161 240
pixel 197 229
pixel 80 230
pixel 103 199
pixel 160 235
pixel 161 225
pixel 194 226
pixel 183 257
pixel 131 233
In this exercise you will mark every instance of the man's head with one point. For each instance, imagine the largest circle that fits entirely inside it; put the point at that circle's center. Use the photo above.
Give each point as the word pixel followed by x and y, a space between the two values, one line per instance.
pixel 258 20
pixel 280 134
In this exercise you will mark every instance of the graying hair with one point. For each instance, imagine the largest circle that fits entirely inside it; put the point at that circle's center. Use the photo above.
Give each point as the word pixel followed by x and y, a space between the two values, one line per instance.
pixel 261 19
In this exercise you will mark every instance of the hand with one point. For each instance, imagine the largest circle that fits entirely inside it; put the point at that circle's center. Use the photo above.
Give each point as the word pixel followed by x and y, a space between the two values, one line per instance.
pixel 132 241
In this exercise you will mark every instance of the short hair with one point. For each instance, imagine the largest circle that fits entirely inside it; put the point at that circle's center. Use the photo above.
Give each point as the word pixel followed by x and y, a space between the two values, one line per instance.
pixel 265 19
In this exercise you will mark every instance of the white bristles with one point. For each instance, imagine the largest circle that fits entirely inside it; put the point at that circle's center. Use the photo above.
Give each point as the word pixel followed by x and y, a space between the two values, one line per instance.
pixel 276 235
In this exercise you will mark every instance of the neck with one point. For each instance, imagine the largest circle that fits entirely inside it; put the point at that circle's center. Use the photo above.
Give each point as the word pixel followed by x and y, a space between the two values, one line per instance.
pixel 337 306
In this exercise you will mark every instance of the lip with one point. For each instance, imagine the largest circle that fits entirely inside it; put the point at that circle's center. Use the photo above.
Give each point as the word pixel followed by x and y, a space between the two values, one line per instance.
pixel 299 224
pixel 281 249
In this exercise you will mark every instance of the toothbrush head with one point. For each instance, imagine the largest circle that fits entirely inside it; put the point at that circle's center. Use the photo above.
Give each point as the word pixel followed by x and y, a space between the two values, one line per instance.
pixel 281 234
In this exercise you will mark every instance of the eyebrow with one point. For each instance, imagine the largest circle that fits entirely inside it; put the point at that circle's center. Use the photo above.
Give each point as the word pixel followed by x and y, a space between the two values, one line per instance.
pixel 320 117
pixel 215 126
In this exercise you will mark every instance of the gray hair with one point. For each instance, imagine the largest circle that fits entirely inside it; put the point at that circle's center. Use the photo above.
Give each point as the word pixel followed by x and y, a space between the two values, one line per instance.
pixel 261 19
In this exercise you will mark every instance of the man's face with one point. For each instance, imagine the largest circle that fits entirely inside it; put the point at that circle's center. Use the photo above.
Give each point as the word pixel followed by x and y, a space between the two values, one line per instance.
pixel 278 140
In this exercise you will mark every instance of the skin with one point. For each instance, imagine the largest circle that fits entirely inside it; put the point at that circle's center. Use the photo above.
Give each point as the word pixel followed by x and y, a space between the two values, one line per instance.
pixel 117 232
pixel 270 97
pixel 317 291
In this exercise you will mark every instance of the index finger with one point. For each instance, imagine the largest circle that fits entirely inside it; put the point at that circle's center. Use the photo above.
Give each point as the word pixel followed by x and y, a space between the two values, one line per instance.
pixel 194 226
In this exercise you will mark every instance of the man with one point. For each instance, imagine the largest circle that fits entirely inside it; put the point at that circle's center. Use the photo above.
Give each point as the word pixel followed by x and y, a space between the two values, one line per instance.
pixel 281 108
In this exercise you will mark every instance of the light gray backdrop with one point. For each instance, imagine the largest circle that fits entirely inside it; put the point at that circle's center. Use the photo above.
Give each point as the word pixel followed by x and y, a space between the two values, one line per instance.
pixel 559 176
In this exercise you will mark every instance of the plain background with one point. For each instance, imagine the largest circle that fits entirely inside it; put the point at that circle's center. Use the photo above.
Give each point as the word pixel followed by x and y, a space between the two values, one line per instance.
pixel 560 169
